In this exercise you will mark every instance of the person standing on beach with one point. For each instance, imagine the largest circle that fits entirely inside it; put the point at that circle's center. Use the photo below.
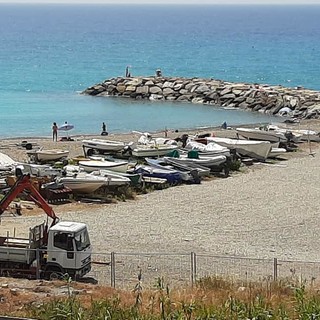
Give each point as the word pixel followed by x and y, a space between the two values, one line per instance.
pixel 104 129
pixel 54 132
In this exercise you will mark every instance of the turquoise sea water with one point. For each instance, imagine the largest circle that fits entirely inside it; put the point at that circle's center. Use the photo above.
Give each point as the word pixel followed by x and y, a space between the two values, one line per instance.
pixel 50 53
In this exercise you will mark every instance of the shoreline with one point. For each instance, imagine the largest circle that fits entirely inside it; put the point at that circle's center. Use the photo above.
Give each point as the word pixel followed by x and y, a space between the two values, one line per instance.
pixel 13 146
pixel 156 132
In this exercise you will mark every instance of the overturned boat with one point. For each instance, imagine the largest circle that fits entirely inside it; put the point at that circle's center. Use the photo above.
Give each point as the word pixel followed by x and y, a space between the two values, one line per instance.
pixel 96 165
pixel 251 148
pixel 44 155
pixel 102 146
pixel 260 134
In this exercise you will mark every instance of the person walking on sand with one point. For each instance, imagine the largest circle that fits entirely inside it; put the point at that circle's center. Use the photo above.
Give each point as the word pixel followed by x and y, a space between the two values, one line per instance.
pixel 54 132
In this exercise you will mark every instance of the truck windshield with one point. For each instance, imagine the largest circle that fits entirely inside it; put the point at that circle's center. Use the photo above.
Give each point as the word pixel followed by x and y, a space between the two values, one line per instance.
pixel 82 240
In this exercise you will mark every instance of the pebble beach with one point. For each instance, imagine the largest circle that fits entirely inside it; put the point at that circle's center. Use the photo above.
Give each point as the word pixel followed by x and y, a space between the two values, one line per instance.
pixel 264 211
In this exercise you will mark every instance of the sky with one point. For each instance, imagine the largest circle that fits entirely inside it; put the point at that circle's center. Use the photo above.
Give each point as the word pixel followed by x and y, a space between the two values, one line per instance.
pixel 279 2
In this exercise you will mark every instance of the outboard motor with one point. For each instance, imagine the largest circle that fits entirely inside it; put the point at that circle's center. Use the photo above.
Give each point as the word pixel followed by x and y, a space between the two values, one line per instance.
pixel 289 135
pixel 195 176
pixel 127 150
pixel 184 139
pixel 19 171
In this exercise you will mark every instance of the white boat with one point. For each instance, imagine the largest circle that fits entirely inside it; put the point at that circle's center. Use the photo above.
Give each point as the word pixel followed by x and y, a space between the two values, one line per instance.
pixel 209 149
pixel 48 155
pixel 306 135
pixel 276 152
pixel 153 180
pixel 152 150
pixel 104 145
pixel 202 171
pixel 298 135
pixel 112 178
pixel 209 162
pixel 147 139
pixel 290 134
pixel 264 135
pixel 82 183
pixel 134 178
pixel 6 163
pixel 252 148
pixel 96 165
pixel 39 170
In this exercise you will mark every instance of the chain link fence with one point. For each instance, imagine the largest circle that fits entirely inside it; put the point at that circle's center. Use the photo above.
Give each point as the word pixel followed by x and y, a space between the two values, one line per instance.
pixel 121 270
pixel 126 270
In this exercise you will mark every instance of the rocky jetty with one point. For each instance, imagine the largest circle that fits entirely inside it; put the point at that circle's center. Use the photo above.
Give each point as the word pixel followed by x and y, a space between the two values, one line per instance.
pixel 277 100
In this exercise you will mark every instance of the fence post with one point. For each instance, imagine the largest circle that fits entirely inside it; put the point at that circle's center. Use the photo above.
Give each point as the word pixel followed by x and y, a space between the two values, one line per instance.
pixel 113 270
pixel 193 268
pixel 38 263
pixel 275 269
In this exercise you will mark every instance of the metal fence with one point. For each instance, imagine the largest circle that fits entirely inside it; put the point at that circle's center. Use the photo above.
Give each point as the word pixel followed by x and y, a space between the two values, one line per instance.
pixel 121 270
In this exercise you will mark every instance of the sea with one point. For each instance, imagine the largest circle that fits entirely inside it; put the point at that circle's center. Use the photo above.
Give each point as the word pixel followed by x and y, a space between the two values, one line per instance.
pixel 50 53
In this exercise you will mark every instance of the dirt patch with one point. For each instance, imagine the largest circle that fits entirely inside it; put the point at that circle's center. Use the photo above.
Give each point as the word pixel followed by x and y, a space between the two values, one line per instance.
pixel 19 295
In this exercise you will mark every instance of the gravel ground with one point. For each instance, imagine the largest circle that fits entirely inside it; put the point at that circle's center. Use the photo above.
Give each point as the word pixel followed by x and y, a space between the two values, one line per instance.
pixel 265 211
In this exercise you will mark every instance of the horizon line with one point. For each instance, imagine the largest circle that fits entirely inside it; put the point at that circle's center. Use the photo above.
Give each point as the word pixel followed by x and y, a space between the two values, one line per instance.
pixel 163 3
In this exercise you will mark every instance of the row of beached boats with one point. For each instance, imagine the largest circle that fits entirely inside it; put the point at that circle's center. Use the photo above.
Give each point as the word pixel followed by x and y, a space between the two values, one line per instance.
pixel 111 164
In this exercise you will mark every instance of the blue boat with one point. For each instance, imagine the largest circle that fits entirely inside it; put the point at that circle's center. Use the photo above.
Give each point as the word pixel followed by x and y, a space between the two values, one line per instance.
pixel 172 176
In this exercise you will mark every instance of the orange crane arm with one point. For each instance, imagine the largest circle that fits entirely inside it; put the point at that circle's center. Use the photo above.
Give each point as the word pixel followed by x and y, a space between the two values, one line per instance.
pixel 23 184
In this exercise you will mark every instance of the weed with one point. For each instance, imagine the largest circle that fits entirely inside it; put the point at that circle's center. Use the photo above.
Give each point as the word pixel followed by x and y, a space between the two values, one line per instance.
pixel 213 298
pixel 235 165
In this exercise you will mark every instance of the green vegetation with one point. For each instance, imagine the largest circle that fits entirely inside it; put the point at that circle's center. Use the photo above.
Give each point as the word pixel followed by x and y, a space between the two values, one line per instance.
pixel 212 298
pixel 235 165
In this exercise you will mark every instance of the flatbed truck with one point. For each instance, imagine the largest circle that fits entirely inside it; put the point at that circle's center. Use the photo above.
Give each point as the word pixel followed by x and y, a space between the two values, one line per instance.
pixel 61 248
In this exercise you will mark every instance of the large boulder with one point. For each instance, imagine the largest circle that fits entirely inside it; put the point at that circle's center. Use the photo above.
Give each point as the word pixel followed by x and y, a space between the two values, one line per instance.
pixel 155 90
pixel 167 91
pixel 143 90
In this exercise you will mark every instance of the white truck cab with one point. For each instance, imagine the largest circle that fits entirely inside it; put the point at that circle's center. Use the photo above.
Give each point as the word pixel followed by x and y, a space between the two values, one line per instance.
pixel 68 249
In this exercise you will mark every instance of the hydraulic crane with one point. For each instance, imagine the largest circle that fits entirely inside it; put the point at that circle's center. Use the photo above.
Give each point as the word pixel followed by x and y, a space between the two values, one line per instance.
pixel 64 247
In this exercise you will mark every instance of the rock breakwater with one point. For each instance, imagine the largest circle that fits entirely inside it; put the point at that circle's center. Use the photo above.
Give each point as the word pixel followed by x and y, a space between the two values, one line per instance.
pixel 277 100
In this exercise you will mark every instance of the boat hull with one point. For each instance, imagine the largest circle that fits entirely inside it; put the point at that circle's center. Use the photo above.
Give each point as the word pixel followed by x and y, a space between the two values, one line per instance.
pixel 81 185
pixel 49 155
pixel 93 165
pixel 214 163
pixel 145 151
pixel 251 148
pixel 257 134
pixel 202 171
pixel 104 145
pixel 172 177
pixel 276 152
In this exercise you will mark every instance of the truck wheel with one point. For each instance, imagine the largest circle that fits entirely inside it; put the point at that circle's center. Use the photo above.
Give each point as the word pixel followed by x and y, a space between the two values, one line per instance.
pixel 59 276
pixel 51 272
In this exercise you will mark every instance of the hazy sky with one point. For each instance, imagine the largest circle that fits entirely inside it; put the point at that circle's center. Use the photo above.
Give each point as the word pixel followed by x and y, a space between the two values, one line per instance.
pixel 281 2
